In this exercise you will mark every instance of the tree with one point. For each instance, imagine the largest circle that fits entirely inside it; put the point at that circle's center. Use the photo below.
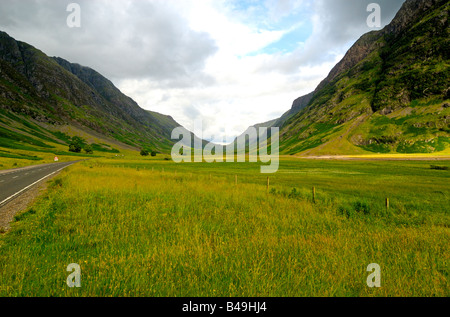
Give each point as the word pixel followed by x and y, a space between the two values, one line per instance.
pixel 88 149
pixel 153 153
pixel 76 144
pixel 144 152
pixel 74 148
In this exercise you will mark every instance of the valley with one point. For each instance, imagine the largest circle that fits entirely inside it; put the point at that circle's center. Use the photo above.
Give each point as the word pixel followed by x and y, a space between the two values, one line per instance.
pixel 357 176
pixel 151 227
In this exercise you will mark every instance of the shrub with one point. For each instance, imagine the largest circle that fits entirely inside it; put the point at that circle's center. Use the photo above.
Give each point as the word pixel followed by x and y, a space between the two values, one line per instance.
pixel 144 152
pixel 88 149
pixel 76 144
pixel 74 148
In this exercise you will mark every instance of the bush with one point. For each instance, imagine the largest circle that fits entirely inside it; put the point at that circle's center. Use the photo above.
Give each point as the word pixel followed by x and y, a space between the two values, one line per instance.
pixel 144 152
pixel 76 144
pixel 88 149
pixel 153 153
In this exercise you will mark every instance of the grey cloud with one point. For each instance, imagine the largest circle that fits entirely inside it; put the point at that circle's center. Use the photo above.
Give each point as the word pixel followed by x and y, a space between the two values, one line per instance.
pixel 191 112
pixel 120 39
pixel 339 24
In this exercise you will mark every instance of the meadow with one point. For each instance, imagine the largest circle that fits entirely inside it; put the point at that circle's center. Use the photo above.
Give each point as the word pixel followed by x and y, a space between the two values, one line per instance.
pixel 150 227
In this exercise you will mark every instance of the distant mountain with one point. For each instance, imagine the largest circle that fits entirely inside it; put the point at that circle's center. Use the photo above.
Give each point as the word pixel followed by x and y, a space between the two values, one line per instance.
pixel 298 105
pixel 41 98
pixel 389 94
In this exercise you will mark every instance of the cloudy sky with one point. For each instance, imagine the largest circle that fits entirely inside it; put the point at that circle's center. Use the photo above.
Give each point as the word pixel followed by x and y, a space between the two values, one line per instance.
pixel 233 63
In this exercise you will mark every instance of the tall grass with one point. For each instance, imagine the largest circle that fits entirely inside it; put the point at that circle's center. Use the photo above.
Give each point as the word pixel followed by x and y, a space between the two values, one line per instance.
pixel 138 232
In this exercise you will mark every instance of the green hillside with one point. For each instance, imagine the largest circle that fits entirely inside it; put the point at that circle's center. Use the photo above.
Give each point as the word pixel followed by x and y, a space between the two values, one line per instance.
pixel 45 101
pixel 389 94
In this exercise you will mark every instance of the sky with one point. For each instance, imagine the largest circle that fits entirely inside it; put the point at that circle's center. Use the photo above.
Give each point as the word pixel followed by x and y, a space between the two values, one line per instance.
pixel 230 63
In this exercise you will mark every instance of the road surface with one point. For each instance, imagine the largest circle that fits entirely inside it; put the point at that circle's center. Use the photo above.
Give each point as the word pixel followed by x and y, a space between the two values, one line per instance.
pixel 15 182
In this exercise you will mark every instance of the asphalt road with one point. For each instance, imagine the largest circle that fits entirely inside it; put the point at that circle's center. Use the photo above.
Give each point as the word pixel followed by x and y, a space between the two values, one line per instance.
pixel 15 182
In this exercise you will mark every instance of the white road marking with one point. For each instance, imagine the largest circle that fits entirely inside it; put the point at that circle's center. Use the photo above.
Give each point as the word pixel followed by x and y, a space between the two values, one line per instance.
pixel 20 191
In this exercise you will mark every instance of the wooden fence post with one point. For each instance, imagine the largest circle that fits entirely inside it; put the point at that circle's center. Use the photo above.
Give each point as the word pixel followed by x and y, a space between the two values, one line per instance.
pixel 314 194
pixel 268 183
pixel 387 204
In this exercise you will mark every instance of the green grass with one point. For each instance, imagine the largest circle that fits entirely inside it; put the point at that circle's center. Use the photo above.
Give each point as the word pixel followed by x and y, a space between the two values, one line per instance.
pixel 101 148
pixel 150 227
pixel 14 140
pixel 437 144
pixel 19 156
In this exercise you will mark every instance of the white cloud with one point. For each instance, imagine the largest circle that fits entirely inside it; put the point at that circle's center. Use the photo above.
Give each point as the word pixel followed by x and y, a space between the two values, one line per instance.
pixel 199 57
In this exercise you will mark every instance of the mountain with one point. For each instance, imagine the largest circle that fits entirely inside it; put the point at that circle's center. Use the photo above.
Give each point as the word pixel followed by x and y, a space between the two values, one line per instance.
pixel 298 105
pixel 389 94
pixel 45 99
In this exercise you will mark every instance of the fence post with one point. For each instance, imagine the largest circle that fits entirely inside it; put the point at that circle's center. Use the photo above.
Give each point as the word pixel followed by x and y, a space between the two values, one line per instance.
pixel 387 204
pixel 268 183
pixel 314 194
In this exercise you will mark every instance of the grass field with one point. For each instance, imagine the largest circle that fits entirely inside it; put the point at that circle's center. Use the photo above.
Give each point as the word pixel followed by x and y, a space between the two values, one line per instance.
pixel 150 227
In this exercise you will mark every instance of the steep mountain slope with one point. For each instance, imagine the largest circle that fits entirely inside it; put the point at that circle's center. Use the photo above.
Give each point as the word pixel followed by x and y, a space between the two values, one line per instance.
pixel 41 96
pixel 298 105
pixel 390 93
